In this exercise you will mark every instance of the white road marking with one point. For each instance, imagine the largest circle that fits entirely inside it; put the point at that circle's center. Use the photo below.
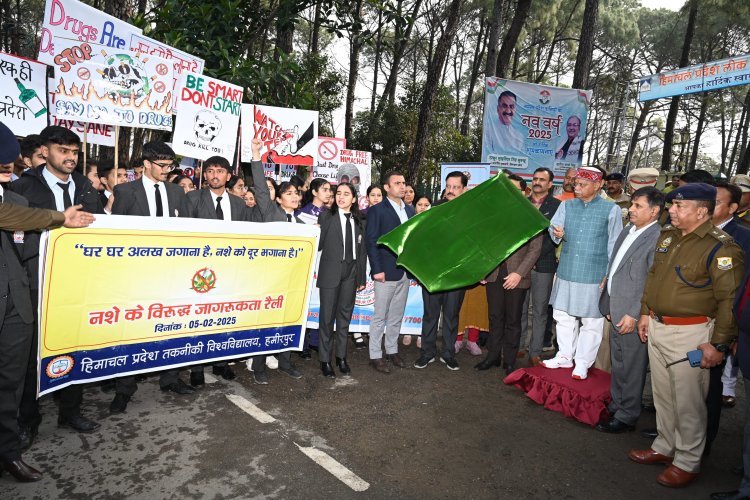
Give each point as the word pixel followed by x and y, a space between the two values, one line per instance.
pixel 339 471
pixel 210 379
pixel 251 409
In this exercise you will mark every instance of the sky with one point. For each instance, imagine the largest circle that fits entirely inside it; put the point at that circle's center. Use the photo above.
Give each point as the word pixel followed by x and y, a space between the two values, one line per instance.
pixel 664 4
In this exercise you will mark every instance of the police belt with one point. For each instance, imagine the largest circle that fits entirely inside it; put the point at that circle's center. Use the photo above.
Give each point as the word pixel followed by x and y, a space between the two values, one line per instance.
pixel 679 321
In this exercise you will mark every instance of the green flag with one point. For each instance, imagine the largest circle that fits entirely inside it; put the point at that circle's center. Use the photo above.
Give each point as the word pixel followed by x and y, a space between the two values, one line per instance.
pixel 458 243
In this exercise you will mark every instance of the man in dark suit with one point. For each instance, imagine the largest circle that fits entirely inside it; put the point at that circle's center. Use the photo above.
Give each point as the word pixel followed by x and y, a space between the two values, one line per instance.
pixel 391 282
pixel 620 302
pixel 723 377
pixel 109 177
pixel 16 308
pixel 55 185
pixel 448 302
pixel 543 272
pixel 215 203
pixel 150 196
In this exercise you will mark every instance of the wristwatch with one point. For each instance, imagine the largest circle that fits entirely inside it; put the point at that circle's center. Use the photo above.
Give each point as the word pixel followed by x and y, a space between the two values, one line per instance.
pixel 722 348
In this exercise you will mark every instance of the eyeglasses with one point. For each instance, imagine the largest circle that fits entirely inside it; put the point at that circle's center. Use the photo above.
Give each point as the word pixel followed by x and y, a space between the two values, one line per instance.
pixel 169 165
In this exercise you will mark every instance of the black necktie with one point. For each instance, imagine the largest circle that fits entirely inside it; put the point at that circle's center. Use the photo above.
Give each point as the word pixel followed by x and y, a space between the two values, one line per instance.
pixel 219 211
pixel 348 240
pixel 159 208
pixel 289 217
pixel 66 195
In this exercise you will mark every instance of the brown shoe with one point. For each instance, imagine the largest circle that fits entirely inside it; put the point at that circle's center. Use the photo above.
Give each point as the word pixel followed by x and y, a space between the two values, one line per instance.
pixel 380 365
pixel 396 360
pixel 674 477
pixel 648 457
pixel 728 401
pixel 535 361
pixel 520 354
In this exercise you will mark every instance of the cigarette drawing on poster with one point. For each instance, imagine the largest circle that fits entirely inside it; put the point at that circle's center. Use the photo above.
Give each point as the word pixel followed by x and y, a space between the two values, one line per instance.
pixel 95 84
pixel 289 135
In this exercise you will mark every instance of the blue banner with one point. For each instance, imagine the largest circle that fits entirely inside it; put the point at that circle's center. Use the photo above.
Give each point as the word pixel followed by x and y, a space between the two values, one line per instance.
pixel 699 78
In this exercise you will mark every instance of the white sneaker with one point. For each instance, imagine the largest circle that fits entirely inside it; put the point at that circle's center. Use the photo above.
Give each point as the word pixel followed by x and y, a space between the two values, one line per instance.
pixel 249 364
pixel 272 362
pixel 557 362
pixel 580 373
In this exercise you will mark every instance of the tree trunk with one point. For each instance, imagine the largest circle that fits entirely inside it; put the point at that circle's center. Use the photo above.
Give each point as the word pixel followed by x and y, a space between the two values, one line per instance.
pixel 586 45
pixel 430 89
pixel 511 37
pixel 285 29
pixel 741 129
pixel 645 110
pixel 494 36
pixel 666 157
pixel 355 45
pixel 698 132
pixel 482 41
pixel 378 48
pixel 398 54
pixel 315 37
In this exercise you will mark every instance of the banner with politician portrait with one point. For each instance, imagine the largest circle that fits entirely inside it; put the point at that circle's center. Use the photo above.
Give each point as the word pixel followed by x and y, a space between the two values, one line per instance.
pixel 208 119
pixel 527 126
pixel 290 136
pixel 128 296
pixel 95 83
pixel 23 103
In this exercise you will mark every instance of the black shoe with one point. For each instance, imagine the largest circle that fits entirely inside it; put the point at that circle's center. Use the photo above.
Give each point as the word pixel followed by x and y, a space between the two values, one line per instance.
pixel 729 495
pixel 178 387
pixel 343 367
pixel 509 369
pixel 23 472
pixel 27 434
pixel 649 433
pixel 327 369
pixel 291 372
pixel 225 371
pixel 78 423
pixel 614 426
pixel 450 363
pixel 108 386
pixel 261 378
pixel 423 361
pixel 486 365
pixel 305 354
pixel 359 343
pixel 119 404
pixel 197 378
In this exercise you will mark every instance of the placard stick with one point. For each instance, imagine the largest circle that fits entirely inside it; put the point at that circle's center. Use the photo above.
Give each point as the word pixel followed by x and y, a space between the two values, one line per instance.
pixel 85 146
pixel 117 149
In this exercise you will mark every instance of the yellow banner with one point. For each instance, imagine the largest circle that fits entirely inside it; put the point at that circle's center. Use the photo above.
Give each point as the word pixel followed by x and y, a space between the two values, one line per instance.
pixel 117 299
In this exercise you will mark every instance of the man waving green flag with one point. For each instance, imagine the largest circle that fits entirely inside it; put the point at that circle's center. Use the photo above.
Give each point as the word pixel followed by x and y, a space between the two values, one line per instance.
pixel 457 244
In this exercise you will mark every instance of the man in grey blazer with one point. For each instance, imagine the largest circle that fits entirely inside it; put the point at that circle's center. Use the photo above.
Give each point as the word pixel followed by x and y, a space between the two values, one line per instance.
pixel 620 302
pixel 216 203
pixel 150 196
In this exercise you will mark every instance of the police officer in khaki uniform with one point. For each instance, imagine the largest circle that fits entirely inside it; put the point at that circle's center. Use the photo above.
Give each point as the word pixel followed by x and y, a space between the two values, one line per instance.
pixel 687 305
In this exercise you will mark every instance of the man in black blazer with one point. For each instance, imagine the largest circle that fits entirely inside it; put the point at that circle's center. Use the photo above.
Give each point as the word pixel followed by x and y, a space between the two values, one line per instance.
pixel 150 196
pixel 448 302
pixel 55 185
pixel 215 202
pixel 391 282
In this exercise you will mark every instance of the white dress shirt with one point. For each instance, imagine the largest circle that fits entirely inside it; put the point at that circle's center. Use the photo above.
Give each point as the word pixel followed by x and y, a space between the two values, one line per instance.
pixel 400 209
pixel 226 209
pixel 57 191
pixel 633 234
pixel 148 185
pixel 342 220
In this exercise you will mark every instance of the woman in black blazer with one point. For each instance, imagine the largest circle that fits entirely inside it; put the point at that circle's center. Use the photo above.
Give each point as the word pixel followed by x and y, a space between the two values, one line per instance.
pixel 341 273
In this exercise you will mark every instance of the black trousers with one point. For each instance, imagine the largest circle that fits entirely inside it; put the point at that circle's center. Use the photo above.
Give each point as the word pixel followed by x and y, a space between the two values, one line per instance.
pixel 128 385
pixel 337 304
pixel 713 404
pixel 15 343
pixel 450 304
pixel 505 308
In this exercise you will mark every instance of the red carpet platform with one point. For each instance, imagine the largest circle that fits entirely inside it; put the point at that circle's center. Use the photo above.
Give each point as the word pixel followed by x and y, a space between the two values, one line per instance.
pixel 584 400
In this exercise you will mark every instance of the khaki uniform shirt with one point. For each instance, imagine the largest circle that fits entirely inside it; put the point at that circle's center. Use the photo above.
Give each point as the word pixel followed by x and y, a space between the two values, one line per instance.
pixel 683 283
pixel 18 218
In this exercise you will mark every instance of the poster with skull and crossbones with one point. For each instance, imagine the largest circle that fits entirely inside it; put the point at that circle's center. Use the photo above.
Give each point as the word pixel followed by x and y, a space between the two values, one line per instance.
pixel 208 119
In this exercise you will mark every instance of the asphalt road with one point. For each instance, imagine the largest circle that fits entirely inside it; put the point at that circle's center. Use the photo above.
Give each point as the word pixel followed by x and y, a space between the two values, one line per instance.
pixel 429 433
